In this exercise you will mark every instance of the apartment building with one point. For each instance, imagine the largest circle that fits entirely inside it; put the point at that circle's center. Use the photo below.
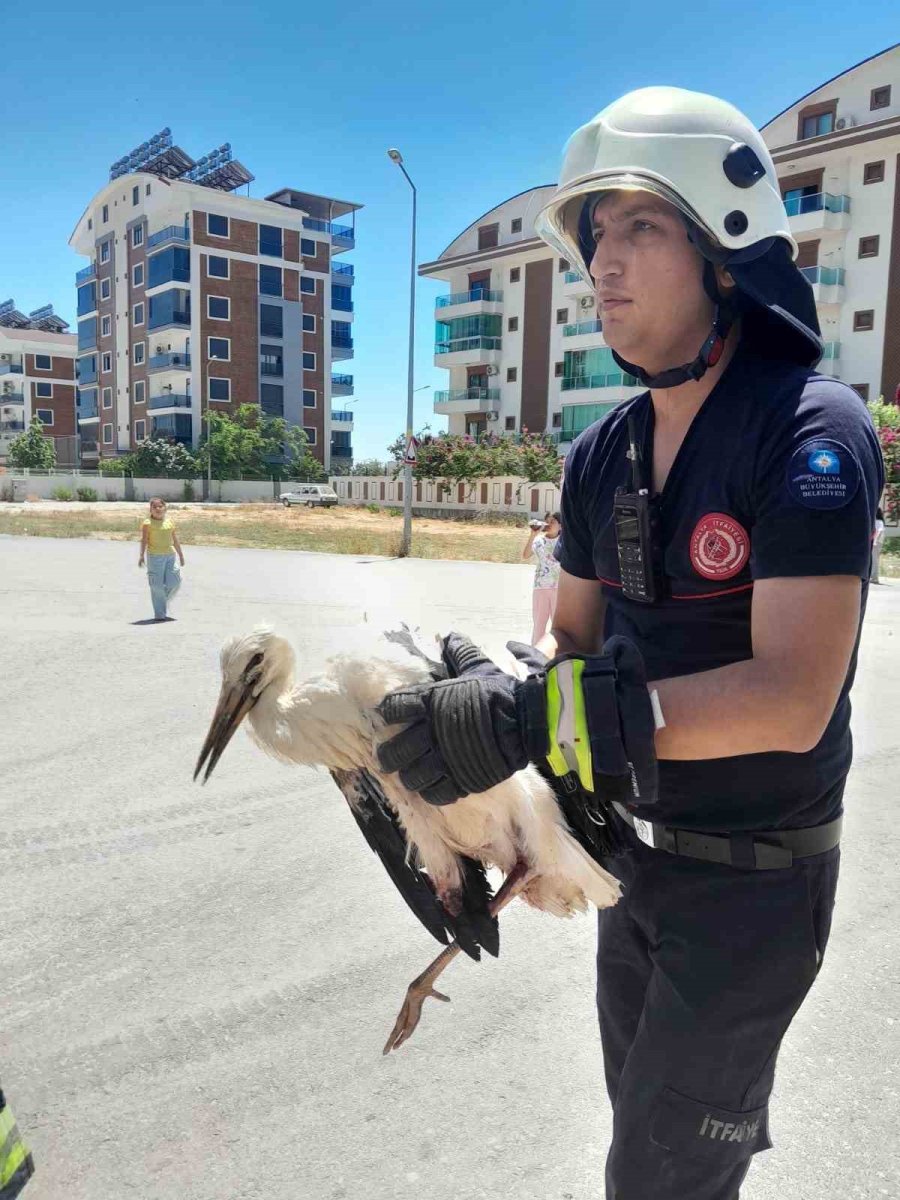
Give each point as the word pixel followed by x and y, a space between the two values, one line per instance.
pixel 837 153
pixel 37 379
pixel 197 298
pixel 518 332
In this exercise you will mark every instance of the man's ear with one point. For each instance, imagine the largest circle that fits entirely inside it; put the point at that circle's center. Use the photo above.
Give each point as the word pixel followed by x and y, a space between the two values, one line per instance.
pixel 724 280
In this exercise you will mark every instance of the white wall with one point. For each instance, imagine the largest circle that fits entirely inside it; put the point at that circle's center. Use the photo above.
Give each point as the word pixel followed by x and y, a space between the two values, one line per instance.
pixel 526 499
pixel 112 487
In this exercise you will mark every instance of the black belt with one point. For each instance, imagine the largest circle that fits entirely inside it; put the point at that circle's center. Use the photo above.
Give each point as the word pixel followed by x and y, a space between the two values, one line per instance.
pixel 757 850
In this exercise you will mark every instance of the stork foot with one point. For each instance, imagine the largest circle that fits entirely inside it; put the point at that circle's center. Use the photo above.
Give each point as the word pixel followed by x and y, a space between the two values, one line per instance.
pixel 404 1027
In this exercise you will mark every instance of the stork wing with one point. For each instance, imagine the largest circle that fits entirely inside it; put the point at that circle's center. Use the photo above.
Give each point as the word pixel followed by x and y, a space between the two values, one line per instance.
pixel 474 927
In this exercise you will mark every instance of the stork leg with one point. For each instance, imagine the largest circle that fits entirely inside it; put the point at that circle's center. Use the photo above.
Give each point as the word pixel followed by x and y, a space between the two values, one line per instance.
pixel 422 987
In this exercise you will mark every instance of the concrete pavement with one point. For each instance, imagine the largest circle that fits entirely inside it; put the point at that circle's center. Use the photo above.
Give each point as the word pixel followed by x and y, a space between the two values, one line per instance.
pixel 196 984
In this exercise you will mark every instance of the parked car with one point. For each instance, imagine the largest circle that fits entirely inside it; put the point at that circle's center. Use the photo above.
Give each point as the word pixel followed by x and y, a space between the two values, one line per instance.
pixel 313 495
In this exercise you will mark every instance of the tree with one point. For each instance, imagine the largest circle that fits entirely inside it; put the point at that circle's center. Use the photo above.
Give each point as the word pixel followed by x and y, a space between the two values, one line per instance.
pixel 460 458
pixel 249 444
pixel 887 423
pixel 157 458
pixel 32 449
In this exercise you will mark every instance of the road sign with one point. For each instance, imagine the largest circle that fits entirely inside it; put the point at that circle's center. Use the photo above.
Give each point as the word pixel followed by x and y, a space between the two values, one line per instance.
pixel 409 454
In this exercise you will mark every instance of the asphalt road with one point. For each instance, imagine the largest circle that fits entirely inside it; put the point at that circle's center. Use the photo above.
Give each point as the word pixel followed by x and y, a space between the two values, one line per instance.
pixel 195 985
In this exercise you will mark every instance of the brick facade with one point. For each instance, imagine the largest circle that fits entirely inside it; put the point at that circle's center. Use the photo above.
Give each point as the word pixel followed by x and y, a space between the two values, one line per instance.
pixel 316 343
pixel 243 236
pixel 137 295
pixel 242 328
pixel 107 379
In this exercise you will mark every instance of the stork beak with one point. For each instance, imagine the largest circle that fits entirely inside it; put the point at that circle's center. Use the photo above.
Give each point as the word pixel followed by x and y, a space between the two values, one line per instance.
pixel 233 706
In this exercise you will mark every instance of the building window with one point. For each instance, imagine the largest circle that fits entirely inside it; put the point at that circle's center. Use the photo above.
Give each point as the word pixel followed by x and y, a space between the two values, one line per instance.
pixel 563 265
pixel 90 223
pixel 218 308
pixel 881 98
pixel 307 285
pixel 137 275
pixel 515 274
pixel 271 360
pixel 137 235
pixel 818 124
pixel 43 362
pixel 216 226
pixel 512 324
pixel 488 236
pixel 271 399
pixel 309 323
pixel 105 289
pixel 105 251
pixel 216 266
pixel 512 374
pixel 863 320
pixel 269 280
pixel 138 314
pixel 137 353
pixel 510 423
pixel 271 320
pixel 515 225
pixel 309 398
pixel 140 391
pixel 219 348
pixel 868 246
pixel 270 240
pixel 147 190
pixel 136 194
pixel 105 214
pixel 873 172
pixel 311 434
pixel 139 431
pixel 45 416
pixel 107 435
pixel 107 397
pixel 556 422
pixel 307 247
pixel 105 326
pixel 559 369
pixel 862 389
pixel 43 391
pixel 219 389
pixel 309 361
pixel 562 315
pixel 106 362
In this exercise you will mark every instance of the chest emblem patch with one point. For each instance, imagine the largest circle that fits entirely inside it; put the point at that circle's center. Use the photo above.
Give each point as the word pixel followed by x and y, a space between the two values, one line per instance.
pixel 823 474
pixel 720 547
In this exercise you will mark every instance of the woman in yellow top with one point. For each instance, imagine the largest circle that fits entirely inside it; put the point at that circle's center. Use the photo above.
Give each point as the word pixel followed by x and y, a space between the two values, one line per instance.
pixel 159 543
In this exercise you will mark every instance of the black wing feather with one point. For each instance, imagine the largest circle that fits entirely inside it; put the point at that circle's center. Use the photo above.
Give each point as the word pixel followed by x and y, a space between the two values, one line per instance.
pixel 473 927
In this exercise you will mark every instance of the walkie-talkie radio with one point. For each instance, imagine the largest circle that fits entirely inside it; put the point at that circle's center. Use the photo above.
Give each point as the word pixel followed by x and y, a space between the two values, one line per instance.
pixel 637 532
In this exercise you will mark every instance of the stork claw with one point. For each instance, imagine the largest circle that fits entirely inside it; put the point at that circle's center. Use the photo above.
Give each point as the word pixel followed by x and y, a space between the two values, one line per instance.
pixel 405 1025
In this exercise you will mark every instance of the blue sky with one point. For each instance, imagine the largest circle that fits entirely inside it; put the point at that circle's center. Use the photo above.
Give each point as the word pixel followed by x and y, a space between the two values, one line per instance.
pixel 480 98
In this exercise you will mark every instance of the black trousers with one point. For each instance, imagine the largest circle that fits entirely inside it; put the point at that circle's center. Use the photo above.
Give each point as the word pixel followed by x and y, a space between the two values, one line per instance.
pixel 700 970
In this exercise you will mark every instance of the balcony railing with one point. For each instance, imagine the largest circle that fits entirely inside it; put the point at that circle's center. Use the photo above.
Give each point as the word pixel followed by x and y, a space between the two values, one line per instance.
pixel 341 414
pixel 574 277
pixel 10 368
pixel 166 362
pixel 340 305
pixel 269 368
pixel 340 342
pixel 171 233
pixel 468 297
pixel 827 276
pixel 86 273
pixel 832 351
pixel 474 343
pixel 88 412
pixel 581 327
pixel 573 383
pixel 12 426
pixel 12 398
pixel 343 233
pixel 341 452
pixel 796 206
pixel 175 317
pixel 342 269
pixel 472 393
pixel 341 385
pixel 170 400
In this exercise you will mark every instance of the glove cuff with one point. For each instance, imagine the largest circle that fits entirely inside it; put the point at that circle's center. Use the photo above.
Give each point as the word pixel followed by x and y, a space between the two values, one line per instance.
pixel 531 711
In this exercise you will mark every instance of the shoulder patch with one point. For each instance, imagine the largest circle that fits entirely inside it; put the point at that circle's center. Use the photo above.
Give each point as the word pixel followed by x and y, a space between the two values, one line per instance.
pixel 822 474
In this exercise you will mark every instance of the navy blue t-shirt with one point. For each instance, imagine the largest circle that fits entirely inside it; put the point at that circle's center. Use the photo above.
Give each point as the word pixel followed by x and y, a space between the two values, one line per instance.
pixel 778 475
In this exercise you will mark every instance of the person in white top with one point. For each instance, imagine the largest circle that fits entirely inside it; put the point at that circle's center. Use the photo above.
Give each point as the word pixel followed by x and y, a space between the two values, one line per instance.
pixel 542 544
pixel 877 545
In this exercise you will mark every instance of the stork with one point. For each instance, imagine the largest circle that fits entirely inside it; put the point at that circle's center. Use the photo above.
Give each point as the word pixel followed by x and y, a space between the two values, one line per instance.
pixel 436 856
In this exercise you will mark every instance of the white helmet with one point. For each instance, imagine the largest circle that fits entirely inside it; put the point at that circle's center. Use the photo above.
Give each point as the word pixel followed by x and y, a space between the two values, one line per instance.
pixel 697 152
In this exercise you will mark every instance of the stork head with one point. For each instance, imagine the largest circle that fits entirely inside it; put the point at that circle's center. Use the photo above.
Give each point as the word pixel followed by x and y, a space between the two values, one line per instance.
pixel 251 665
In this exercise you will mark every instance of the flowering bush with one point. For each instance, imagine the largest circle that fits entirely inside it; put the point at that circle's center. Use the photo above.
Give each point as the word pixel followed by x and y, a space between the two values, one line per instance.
pixel 887 422
pixel 461 458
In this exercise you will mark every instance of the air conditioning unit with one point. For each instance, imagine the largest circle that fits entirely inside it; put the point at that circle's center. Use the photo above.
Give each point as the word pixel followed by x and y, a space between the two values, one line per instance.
pixel 493 370
pixel 160 349
pixel 493 416
pixel 5 357
pixel 845 123
pixel 7 388
pixel 586 302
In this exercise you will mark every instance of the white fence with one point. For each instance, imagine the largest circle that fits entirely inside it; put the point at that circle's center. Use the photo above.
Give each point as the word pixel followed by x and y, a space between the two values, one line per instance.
pixel 507 494
pixel 20 485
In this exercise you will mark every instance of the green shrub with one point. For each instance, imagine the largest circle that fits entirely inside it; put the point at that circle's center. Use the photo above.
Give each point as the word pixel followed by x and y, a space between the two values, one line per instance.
pixel 87 493
pixel 188 490
pixel 62 493
pixel 373 508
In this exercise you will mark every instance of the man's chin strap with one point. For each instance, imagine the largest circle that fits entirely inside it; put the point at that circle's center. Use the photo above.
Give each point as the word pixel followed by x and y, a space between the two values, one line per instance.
pixel 710 353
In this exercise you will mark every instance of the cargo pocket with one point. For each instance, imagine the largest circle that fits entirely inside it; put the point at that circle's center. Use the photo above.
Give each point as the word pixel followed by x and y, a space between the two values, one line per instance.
pixel 706 1131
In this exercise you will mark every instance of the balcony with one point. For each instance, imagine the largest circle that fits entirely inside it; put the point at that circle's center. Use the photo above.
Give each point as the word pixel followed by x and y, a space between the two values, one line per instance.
pixel 583 328
pixel 341 454
pixel 827 283
pixel 830 362
pixel 11 426
pixel 342 422
pixel 474 303
pixel 10 368
pixel 167 317
pixel 341 346
pixel 468 352
pixel 171 233
pixel 85 273
pixel 612 379
pixel 343 274
pixel 468 400
pixel 812 214
pixel 271 368
pixel 573 283
pixel 341 304
pixel 169 362
pixel 342 385
pixel 12 397
pixel 169 400
pixel 577 417
pixel 342 236
pixel 89 448
pixel 342 414
pixel 88 412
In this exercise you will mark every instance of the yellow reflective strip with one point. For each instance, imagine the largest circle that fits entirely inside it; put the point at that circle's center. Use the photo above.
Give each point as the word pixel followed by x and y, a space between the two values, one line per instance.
pixel 555 756
pixel 582 737
pixel 14 1160
pixel 7 1120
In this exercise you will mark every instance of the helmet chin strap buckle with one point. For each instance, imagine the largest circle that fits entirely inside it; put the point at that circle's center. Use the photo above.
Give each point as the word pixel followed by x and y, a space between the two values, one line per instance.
pixel 710 353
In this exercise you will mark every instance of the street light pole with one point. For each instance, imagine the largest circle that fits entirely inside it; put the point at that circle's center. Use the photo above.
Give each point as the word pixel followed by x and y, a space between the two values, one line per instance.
pixel 406 543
